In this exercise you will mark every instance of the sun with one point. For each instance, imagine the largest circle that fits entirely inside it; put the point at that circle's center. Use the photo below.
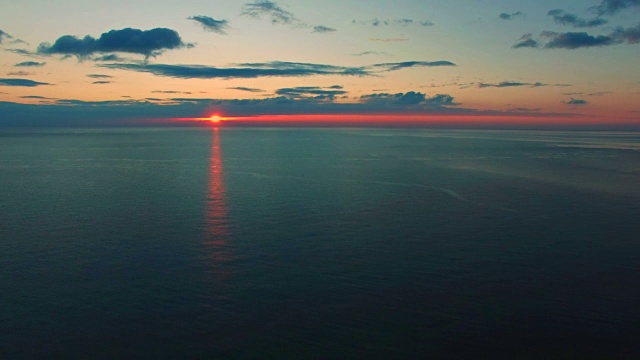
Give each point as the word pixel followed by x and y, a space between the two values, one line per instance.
pixel 215 118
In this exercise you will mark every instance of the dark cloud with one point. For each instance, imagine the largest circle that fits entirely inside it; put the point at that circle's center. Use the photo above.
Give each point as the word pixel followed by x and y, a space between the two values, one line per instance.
pixel 322 29
pixel 610 7
pixel 410 64
pixel 573 101
pixel 108 57
pixel 629 35
pixel 526 41
pixel 268 69
pixel 36 97
pixel 309 91
pixel 504 84
pixel 211 24
pixel 426 23
pixel 101 82
pixel 410 98
pixel 145 42
pixel 565 18
pixel 4 35
pixel 404 21
pixel 574 40
pixel 511 16
pixel 99 76
pixel 21 82
pixel 335 87
pixel 30 64
pixel 247 89
pixel 272 10
pixel 243 71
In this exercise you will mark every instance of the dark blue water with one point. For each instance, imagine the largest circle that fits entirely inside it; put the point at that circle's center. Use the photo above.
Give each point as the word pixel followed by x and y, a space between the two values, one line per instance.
pixel 312 243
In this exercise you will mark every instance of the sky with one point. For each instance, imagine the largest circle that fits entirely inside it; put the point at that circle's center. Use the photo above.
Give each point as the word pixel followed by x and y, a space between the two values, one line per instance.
pixel 456 62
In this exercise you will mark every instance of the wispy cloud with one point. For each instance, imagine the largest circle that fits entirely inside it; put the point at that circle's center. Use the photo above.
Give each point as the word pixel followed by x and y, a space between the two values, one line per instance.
pixel 389 22
pixel 370 53
pixel 323 29
pixel 99 76
pixel 410 64
pixel 565 18
pixel 247 89
pixel 4 36
pixel 145 42
pixel 310 91
pixel 245 71
pixel 272 10
pixel 21 82
pixel 30 64
pixel 269 69
pixel 511 16
pixel 101 82
pixel 170 92
pixel 20 73
pixel 388 39
pixel 505 84
pixel 573 101
pixel 611 7
pixel 211 24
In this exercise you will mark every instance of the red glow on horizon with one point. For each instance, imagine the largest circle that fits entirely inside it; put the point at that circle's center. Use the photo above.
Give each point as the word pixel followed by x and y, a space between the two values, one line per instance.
pixel 447 120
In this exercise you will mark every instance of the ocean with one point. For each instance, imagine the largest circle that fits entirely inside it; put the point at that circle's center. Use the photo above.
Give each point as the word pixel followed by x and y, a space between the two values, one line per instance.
pixel 275 243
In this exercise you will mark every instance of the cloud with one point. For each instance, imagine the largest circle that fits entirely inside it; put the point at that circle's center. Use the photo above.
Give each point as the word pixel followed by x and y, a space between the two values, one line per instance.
pixel 101 82
pixel 270 9
pixel 573 101
pixel 243 71
pixel 247 89
pixel 309 91
pixel 268 69
pixel 21 82
pixel 574 40
pixel 4 36
pixel 565 18
pixel 526 40
pixel 370 53
pixel 36 97
pixel 99 76
pixel 511 16
pixel 505 84
pixel 388 39
pixel 22 52
pixel 426 23
pixel 410 64
pixel 20 73
pixel 387 22
pixel 335 87
pixel 611 7
pixel 108 57
pixel 144 42
pixel 322 29
pixel 211 24
pixel 170 92
pixel 410 98
pixel 629 35
pixel 30 64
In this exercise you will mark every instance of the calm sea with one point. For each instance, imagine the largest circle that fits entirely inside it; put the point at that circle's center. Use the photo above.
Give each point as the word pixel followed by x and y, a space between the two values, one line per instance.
pixel 318 243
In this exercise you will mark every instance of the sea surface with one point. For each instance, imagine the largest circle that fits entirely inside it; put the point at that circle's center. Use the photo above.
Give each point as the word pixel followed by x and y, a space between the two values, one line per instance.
pixel 274 243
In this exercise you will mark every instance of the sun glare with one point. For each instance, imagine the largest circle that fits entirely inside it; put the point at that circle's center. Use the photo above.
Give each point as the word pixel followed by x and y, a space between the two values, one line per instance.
pixel 215 118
